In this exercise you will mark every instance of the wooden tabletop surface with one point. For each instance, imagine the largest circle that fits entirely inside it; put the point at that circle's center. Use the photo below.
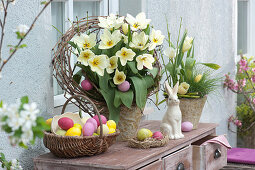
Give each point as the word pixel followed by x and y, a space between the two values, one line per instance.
pixel 121 156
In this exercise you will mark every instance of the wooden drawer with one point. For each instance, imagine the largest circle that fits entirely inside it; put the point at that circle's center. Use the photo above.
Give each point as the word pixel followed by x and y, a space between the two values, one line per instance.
pixel 157 165
pixel 181 158
pixel 211 156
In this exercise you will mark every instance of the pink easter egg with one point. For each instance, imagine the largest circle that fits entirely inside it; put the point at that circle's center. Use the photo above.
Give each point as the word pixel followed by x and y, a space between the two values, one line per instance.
pixel 104 120
pixel 94 122
pixel 124 86
pixel 88 129
pixel 65 123
pixel 157 135
pixel 187 126
pixel 86 85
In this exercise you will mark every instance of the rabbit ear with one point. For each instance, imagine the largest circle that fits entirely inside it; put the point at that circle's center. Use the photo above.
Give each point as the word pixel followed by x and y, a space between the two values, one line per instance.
pixel 168 89
pixel 175 89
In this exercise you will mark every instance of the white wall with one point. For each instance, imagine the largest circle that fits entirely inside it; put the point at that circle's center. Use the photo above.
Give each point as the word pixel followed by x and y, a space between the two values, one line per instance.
pixel 213 24
pixel 29 72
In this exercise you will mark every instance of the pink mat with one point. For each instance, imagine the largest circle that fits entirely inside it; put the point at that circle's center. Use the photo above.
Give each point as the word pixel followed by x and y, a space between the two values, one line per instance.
pixel 241 155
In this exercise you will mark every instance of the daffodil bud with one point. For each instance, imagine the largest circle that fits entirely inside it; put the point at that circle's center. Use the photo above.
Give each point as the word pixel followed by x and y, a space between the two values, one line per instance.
pixel 125 28
pixel 187 44
pixel 183 88
pixel 198 78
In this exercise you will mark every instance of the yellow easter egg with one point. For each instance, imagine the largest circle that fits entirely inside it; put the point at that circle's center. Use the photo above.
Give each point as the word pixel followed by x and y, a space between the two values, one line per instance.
pixel 112 130
pixel 48 121
pixel 77 125
pixel 74 131
pixel 111 124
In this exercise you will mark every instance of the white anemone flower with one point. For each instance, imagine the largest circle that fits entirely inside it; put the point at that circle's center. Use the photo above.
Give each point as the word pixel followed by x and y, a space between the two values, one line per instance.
pixel 113 64
pixel 22 29
pixel 144 60
pixel 139 41
pixel 112 21
pixel 125 55
pixel 85 41
pixel 119 77
pixel 139 22
pixel 99 63
pixel 85 56
pixel 109 40
pixel 170 52
pixel 156 39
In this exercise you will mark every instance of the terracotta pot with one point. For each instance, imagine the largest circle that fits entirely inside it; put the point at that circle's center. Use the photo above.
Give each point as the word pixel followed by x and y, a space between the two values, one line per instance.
pixel 192 110
pixel 128 123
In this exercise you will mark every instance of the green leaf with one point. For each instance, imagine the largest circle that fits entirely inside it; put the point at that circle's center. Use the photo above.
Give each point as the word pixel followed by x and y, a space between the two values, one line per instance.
pixel 21 144
pixel 149 81
pixel 140 91
pixel 147 30
pixel 18 133
pixel 189 65
pixel 123 97
pixel 1 104
pixel 211 65
pixel 77 77
pixel 129 34
pixel 96 50
pixel 72 44
pixel 180 54
pixel 132 67
pixel 6 128
pixel 43 2
pixel 88 72
pixel 154 71
pixel 24 100
pixel 117 47
pixel 23 45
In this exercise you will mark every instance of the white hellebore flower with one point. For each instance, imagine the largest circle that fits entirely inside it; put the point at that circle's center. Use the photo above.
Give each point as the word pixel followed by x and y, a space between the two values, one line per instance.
pixel 112 21
pixel 125 55
pixel 85 41
pixel 170 52
pixel 119 77
pixel 144 60
pixel 98 64
pixel 139 41
pixel 156 38
pixel 113 64
pixel 109 40
pixel 187 44
pixel 183 88
pixel 22 29
pixel 139 22
pixel 85 56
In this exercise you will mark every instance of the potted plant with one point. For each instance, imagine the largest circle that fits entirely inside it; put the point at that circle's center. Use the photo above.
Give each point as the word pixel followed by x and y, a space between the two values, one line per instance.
pixel 196 80
pixel 244 87
pixel 117 66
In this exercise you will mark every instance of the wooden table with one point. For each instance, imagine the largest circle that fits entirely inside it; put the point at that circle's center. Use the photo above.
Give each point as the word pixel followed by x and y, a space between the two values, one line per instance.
pixel 119 156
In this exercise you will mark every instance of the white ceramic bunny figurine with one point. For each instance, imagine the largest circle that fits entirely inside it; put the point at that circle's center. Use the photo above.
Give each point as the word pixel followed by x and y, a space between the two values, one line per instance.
pixel 171 122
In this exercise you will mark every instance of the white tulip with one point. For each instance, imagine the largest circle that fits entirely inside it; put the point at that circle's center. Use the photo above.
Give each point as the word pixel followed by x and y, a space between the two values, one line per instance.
pixel 85 41
pixel 144 60
pixel 139 41
pixel 110 22
pixel 139 22
pixel 98 64
pixel 109 40
pixel 170 52
pixel 125 55
pixel 125 28
pixel 156 39
pixel 85 56
pixel 187 44
pixel 113 64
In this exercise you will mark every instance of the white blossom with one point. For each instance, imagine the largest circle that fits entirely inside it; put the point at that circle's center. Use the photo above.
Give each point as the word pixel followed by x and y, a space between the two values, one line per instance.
pixel 22 29
pixel 15 165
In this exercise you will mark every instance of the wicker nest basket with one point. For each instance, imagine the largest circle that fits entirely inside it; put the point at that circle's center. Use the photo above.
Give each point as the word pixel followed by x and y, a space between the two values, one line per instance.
pixel 76 146
pixel 148 143
pixel 64 69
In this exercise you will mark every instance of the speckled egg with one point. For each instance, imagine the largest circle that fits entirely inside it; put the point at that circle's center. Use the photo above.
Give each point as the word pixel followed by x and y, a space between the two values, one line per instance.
pixel 124 86
pixel 104 120
pixel 157 135
pixel 187 126
pixel 88 129
pixel 86 85
pixel 94 122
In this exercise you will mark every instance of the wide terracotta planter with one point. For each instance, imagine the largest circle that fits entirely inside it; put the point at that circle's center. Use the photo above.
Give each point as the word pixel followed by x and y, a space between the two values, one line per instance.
pixel 192 109
pixel 129 121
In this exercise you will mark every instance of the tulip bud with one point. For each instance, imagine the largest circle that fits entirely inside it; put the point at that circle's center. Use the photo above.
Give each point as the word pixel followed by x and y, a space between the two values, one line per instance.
pixel 198 78
pixel 125 28
pixel 183 88
pixel 187 44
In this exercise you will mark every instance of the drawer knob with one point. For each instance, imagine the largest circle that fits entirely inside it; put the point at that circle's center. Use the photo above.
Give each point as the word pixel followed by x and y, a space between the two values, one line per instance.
pixel 217 153
pixel 180 166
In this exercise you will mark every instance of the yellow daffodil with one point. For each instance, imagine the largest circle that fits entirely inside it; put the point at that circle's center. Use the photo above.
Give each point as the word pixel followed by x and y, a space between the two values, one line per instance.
pixel 85 41
pixel 110 22
pixel 144 60
pixel 139 22
pixel 139 41
pixel 170 52
pixel 119 77
pixel 125 28
pixel 125 55
pixel 156 38
pixel 198 78
pixel 109 40
pixel 183 88
pixel 85 56
pixel 187 44
pixel 98 64
pixel 113 64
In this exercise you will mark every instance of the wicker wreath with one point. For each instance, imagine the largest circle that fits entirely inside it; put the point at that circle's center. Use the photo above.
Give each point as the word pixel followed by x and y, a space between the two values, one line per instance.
pixel 64 69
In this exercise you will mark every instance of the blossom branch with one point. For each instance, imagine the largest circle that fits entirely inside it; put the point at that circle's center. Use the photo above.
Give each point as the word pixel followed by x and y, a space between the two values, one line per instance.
pixel 3 27
pixel 21 40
